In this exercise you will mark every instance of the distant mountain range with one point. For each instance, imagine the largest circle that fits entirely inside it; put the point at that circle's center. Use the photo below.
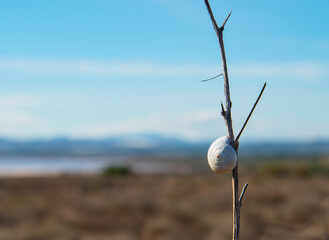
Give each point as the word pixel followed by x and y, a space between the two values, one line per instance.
pixel 152 145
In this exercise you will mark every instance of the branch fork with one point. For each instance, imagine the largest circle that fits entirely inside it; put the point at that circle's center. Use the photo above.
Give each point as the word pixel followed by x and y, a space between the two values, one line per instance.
pixel 226 113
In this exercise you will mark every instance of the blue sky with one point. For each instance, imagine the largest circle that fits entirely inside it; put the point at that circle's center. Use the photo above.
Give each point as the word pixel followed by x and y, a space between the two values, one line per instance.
pixel 97 68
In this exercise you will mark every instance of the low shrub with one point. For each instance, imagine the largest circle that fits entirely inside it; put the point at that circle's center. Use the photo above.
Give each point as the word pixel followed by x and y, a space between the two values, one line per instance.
pixel 116 171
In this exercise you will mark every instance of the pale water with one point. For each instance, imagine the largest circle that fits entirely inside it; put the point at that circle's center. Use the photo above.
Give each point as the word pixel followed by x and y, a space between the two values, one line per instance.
pixel 54 165
pixel 30 166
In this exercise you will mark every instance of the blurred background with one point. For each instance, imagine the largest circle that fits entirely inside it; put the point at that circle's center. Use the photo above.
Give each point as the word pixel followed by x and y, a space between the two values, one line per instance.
pixel 105 123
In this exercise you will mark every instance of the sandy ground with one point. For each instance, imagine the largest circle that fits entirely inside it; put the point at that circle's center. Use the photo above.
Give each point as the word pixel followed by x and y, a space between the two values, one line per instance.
pixel 160 207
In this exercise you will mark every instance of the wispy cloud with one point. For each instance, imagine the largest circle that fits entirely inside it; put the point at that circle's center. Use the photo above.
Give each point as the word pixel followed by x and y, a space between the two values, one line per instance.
pixel 190 125
pixel 16 117
pixel 105 68
pixel 20 124
pixel 17 120
pixel 306 71
pixel 18 101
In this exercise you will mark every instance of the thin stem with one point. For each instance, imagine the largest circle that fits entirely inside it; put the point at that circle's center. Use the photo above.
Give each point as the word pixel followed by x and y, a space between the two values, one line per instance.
pixel 236 206
pixel 252 110
pixel 228 120
pixel 226 113
pixel 214 23
pixel 223 25
pixel 223 112
pixel 219 33
pixel 205 80
pixel 242 194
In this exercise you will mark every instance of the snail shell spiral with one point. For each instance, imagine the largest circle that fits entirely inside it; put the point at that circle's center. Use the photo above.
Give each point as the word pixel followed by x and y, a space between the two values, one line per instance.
pixel 222 157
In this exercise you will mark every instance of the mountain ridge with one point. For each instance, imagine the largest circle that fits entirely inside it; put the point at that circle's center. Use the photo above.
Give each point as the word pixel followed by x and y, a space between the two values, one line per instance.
pixel 153 145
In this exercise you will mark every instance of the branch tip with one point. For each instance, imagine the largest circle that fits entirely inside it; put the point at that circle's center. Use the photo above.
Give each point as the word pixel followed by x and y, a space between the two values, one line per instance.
pixel 223 25
pixel 205 80
pixel 242 194
pixel 223 112
pixel 252 110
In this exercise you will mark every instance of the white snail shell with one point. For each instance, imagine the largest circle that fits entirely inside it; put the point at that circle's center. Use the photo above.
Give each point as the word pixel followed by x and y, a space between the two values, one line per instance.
pixel 222 157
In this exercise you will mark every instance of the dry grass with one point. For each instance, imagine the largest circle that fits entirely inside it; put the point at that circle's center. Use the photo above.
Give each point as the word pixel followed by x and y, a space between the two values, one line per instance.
pixel 161 207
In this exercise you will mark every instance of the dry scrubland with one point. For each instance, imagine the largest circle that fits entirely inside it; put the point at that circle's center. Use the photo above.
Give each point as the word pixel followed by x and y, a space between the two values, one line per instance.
pixel 279 204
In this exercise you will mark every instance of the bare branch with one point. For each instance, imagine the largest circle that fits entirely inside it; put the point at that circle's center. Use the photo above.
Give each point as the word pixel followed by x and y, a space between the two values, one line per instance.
pixel 236 206
pixel 228 120
pixel 223 25
pixel 223 112
pixel 226 113
pixel 205 80
pixel 252 110
pixel 242 194
pixel 213 20
pixel 219 33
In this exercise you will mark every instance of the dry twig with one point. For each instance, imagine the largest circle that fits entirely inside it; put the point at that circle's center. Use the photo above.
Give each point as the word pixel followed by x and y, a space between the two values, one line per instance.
pixel 226 113
pixel 252 110
pixel 208 79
